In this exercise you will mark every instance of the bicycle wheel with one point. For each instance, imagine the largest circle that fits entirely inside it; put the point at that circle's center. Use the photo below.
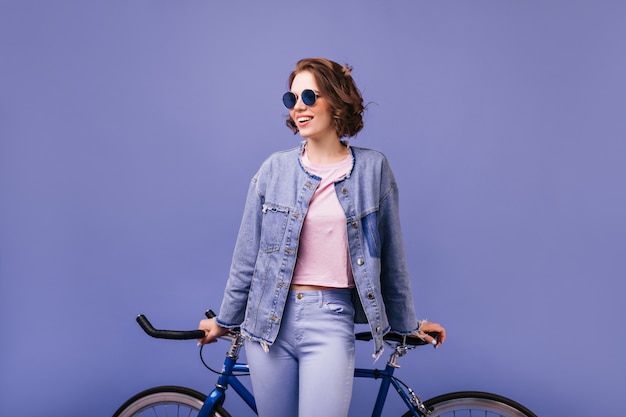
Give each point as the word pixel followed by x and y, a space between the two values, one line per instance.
pixel 474 404
pixel 170 401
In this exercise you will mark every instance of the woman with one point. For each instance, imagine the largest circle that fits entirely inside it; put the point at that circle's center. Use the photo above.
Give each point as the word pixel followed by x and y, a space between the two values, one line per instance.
pixel 319 249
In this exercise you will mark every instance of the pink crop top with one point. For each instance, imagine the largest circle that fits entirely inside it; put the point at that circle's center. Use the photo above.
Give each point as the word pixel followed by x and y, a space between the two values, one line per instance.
pixel 323 252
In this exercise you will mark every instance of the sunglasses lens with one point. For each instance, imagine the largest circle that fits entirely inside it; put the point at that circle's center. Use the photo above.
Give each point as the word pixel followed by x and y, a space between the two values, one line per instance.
pixel 308 97
pixel 289 100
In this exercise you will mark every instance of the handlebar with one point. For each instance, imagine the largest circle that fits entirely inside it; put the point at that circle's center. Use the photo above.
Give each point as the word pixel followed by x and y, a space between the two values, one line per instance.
pixel 395 337
pixel 168 334
pixel 199 334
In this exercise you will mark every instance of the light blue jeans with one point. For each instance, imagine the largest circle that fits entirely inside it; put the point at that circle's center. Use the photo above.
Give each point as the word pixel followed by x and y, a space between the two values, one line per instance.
pixel 308 371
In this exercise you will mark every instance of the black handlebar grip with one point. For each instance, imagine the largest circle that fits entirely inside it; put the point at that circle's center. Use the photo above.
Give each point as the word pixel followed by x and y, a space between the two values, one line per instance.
pixel 209 314
pixel 168 334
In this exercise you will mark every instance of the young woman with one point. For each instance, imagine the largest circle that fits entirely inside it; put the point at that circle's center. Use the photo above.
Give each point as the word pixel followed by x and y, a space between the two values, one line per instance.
pixel 319 248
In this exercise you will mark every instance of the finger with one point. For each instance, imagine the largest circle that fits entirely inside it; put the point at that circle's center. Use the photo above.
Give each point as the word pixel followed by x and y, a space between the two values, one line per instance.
pixel 441 338
pixel 432 340
pixel 426 337
pixel 206 341
pixel 202 340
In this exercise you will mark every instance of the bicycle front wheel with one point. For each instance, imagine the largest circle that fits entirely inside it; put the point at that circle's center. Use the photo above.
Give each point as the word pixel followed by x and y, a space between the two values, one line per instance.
pixel 474 403
pixel 170 401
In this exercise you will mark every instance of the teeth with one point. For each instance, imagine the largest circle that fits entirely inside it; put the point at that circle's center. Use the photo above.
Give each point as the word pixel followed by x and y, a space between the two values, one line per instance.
pixel 304 119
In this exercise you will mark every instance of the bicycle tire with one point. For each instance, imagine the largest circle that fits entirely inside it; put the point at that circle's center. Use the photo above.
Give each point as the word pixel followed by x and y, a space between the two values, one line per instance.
pixel 474 403
pixel 171 401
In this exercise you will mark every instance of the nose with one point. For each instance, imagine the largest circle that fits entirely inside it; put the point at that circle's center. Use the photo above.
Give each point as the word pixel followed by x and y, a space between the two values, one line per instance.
pixel 299 104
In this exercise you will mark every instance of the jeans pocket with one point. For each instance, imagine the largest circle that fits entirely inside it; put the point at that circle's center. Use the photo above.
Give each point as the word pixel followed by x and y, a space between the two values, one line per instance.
pixel 338 307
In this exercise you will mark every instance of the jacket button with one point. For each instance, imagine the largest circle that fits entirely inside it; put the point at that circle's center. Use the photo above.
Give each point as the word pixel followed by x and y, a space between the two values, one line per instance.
pixel 378 329
pixel 355 224
pixel 370 296
pixel 344 191
pixel 360 261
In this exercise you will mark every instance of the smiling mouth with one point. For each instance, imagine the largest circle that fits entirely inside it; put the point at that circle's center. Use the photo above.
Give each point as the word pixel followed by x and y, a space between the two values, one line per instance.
pixel 304 119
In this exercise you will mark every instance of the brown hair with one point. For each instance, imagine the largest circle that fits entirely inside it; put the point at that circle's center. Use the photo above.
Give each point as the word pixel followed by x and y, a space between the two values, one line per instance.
pixel 339 89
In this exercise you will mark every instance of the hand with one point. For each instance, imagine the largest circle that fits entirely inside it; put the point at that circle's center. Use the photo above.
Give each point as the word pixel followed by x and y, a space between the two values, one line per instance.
pixel 428 327
pixel 212 331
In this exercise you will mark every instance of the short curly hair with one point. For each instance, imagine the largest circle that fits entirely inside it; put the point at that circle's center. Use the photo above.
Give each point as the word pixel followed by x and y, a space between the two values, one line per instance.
pixel 337 86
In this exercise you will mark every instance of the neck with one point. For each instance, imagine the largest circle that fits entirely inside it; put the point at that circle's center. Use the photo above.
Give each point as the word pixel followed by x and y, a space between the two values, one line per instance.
pixel 327 152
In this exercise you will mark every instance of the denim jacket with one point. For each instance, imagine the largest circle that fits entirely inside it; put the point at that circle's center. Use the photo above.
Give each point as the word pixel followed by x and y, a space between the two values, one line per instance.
pixel 267 245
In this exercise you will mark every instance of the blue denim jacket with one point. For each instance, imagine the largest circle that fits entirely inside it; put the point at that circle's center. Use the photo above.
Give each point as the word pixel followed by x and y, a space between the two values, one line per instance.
pixel 267 245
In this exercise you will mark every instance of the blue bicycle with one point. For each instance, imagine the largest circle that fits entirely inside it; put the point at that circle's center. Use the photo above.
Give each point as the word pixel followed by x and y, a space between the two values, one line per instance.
pixel 181 401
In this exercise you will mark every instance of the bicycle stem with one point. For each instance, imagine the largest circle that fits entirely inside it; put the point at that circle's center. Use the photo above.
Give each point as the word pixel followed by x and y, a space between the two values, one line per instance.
pixel 399 350
pixel 235 346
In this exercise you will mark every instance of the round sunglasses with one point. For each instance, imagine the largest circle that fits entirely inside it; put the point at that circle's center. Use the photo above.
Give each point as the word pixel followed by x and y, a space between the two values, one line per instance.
pixel 308 98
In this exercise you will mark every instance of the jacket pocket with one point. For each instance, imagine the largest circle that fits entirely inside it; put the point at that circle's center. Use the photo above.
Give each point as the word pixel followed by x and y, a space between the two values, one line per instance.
pixel 273 226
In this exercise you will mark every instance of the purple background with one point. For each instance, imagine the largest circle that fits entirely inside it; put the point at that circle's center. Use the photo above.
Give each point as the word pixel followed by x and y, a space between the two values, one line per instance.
pixel 129 131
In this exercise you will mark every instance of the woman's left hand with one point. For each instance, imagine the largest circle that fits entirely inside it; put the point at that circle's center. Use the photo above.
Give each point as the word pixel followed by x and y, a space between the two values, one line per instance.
pixel 428 327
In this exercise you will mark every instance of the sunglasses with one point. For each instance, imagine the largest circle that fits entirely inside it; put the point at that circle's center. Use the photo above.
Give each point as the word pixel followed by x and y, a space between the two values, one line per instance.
pixel 308 98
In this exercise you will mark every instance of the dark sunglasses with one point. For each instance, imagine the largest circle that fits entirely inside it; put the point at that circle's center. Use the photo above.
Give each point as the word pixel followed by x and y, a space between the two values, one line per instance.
pixel 308 98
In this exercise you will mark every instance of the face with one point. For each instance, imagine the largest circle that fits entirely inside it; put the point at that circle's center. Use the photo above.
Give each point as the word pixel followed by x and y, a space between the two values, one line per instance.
pixel 314 122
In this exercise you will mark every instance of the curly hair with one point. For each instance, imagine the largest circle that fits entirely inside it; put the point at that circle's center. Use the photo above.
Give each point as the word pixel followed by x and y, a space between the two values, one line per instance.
pixel 339 89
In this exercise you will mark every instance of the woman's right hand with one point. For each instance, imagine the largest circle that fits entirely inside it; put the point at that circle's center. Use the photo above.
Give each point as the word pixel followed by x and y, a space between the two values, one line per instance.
pixel 212 331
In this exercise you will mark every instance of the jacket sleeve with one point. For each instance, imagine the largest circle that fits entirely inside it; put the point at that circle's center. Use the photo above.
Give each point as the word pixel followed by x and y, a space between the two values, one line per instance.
pixel 394 279
pixel 242 267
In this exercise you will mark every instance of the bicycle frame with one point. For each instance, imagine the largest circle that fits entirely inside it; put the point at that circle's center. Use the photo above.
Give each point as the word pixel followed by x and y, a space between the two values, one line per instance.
pixel 228 379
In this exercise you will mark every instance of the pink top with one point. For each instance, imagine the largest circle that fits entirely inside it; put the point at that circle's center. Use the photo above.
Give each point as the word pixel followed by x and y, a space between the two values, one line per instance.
pixel 323 252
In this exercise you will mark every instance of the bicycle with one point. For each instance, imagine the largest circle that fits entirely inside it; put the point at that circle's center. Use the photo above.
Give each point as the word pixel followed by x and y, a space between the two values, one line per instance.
pixel 181 401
